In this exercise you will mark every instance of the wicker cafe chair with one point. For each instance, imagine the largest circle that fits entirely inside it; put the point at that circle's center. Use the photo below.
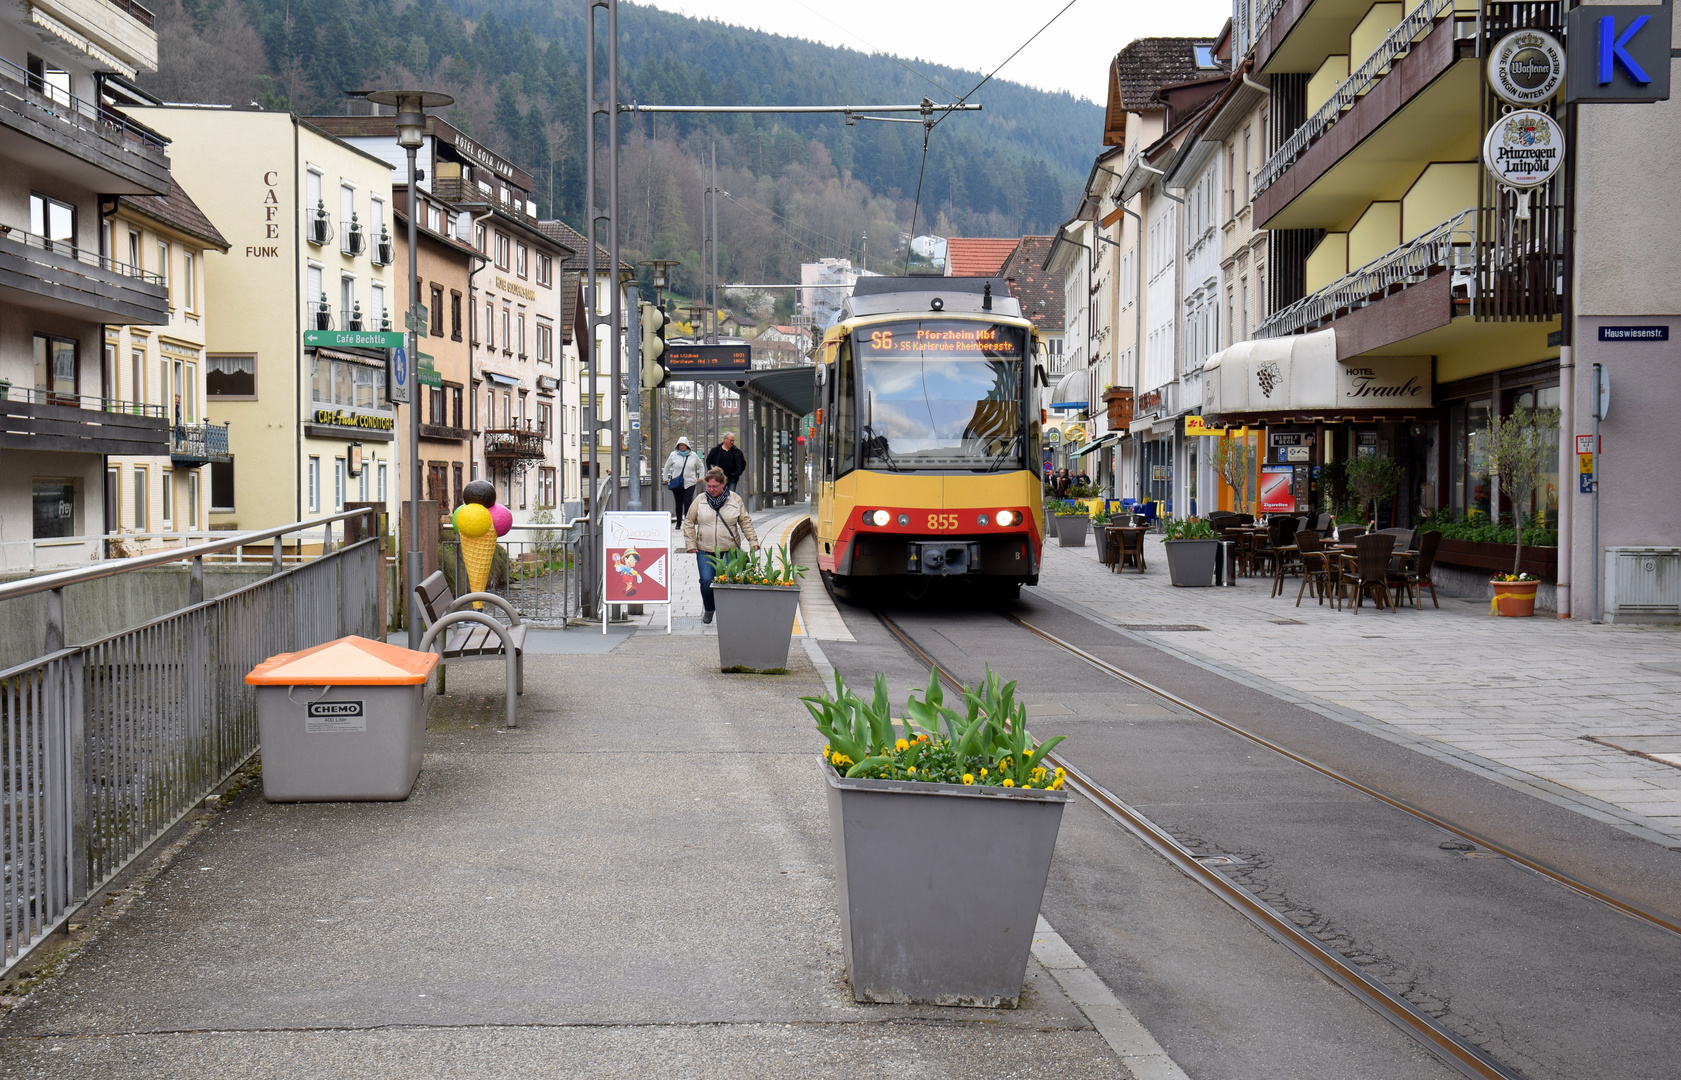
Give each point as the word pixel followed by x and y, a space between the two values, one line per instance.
pixel 1415 577
pixel 1285 562
pixel 1369 567
pixel 1132 550
pixel 1316 567
pixel 1347 534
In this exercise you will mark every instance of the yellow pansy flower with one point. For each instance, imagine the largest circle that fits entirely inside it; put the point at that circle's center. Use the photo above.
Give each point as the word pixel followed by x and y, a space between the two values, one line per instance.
pixel 1009 783
pixel 901 745
pixel 968 778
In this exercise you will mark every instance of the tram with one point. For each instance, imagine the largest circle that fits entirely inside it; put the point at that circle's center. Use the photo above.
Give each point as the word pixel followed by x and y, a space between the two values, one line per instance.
pixel 927 441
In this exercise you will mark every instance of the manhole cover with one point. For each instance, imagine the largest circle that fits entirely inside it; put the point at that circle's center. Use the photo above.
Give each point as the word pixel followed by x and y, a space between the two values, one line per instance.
pixel 1162 628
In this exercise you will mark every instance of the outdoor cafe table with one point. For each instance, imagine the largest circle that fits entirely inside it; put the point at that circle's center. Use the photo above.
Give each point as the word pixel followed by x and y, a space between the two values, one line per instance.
pixel 1121 555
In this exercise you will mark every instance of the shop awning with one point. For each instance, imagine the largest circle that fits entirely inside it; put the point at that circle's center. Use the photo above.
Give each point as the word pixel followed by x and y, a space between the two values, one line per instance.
pixel 1097 444
pixel 500 379
pixel 1071 391
pixel 1301 373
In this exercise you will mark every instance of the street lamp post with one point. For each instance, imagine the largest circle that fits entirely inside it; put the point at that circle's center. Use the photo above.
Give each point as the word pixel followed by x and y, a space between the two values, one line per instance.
pixel 411 106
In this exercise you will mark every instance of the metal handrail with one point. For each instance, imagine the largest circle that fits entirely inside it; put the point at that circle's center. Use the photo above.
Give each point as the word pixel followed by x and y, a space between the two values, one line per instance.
pixel 70 250
pixel 112 567
pixel 17 82
pixel 1268 10
pixel 1435 249
pixel 1399 41
pixel 90 402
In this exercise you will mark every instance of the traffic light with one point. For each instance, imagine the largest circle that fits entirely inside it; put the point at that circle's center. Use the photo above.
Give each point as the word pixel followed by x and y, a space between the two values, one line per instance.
pixel 653 344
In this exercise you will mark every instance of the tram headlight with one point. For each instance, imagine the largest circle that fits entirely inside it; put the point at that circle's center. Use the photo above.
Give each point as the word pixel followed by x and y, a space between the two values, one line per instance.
pixel 880 517
pixel 1005 517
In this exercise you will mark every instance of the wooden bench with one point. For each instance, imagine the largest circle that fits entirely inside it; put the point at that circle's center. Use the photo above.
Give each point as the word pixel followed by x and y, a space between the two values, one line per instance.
pixel 459 632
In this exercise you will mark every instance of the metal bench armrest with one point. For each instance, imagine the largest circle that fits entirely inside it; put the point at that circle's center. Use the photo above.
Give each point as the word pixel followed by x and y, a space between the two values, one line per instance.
pixel 435 631
pixel 489 598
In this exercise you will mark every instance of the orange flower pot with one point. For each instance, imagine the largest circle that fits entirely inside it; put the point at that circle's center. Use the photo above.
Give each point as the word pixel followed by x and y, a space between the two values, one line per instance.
pixel 1513 598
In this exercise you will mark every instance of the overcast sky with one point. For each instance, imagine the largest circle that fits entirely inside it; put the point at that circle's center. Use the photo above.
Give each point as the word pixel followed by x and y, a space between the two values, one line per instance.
pixel 1072 55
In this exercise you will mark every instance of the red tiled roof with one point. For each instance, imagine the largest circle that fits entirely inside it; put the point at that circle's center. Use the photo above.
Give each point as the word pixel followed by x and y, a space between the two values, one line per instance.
pixel 178 211
pixel 1039 292
pixel 977 257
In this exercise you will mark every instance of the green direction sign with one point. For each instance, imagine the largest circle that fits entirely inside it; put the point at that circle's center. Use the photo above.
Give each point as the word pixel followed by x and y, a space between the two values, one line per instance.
pixel 355 339
pixel 428 374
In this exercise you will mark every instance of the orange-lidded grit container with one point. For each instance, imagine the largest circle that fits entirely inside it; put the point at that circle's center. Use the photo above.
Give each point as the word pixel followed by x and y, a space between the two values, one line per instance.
pixel 345 720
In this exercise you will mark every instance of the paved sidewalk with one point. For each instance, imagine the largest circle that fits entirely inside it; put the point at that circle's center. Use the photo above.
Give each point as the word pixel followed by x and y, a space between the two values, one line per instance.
pixel 636 882
pixel 1516 699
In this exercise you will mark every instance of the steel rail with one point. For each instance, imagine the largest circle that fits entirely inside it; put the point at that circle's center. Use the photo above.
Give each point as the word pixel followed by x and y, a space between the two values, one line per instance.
pixel 1611 900
pixel 1464 1058
pixel 926 107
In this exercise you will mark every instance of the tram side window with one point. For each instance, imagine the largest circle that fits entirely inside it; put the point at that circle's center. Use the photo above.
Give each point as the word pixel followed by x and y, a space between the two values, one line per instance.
pixel 843 432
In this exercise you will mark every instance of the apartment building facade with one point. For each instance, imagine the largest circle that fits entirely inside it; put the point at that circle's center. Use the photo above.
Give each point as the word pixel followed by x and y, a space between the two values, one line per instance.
pixel 70 153
pixel 307 219
pixel 165 366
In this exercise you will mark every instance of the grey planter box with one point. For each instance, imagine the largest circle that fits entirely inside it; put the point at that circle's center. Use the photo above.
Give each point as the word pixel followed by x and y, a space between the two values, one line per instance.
pixel 939 887
pixel 1190 563
pixel 755 625
pixel 1071 529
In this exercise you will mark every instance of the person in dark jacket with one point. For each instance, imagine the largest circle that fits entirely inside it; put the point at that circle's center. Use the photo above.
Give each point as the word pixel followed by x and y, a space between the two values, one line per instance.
pixel 727 456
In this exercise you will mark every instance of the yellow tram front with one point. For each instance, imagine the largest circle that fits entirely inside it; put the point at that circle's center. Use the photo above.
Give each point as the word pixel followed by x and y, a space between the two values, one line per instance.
pixel 927 439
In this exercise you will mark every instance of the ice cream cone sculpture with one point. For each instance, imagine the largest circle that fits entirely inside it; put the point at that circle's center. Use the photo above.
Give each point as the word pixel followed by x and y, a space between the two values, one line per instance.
pixel 477 525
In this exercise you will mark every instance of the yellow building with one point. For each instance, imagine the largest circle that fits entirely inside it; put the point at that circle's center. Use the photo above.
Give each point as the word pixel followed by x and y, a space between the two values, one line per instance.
pixel 1411 296
pixel 164 366
pixel 307 219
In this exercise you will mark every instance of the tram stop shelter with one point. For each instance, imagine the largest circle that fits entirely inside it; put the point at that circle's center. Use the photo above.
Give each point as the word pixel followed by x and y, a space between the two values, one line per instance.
pixel 773 404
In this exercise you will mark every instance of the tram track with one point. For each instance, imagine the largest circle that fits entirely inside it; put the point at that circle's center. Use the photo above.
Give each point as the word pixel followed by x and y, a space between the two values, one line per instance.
pixel 1459 1054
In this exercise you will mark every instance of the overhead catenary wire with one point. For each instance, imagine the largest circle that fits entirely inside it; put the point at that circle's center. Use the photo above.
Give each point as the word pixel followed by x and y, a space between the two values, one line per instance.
pixel 964 99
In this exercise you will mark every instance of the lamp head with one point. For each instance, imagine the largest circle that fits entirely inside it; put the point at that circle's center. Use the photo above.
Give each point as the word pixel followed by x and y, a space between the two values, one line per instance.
pixel 411 106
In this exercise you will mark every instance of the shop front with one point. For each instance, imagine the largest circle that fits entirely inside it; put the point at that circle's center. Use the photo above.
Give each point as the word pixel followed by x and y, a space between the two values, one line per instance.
pixel 349 431
pixel 1316 415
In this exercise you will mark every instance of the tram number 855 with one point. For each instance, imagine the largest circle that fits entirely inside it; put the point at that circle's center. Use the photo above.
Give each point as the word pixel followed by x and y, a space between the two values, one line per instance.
pixel 942 521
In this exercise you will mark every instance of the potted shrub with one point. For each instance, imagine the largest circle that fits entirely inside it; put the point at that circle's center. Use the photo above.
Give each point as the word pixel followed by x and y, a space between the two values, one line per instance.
pixel 757 593
pixel 1521 449
pixel 1072 524
pixel 1193 550
pixel 1373 479
pixel 943 826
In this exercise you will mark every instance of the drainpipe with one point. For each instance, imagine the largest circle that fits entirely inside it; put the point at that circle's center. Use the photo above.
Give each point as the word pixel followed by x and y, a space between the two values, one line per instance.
pixel 472 308
pixel 1567 385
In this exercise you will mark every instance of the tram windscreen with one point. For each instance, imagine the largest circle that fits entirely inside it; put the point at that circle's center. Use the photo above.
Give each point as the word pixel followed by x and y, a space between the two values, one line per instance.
pixel 940 394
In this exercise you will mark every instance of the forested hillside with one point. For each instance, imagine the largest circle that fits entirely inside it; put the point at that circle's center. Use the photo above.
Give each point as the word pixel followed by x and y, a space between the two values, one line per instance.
pixel 798 188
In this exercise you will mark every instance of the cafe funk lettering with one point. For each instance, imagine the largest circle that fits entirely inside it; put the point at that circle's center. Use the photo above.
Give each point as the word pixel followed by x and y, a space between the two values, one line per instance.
pixel 270 220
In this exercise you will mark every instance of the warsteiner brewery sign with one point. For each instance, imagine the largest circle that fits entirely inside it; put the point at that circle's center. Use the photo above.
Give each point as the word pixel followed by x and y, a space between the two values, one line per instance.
pixel 1524 149
pixel 1526 67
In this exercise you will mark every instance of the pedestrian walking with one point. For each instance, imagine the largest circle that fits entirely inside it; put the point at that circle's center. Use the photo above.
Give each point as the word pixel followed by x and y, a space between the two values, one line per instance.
pixel 727 456
pixel 716 522
pixel 682 475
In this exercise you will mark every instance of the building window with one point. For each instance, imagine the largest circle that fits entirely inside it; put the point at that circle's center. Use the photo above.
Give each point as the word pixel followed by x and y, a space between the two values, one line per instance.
pixel 192 499
pixel 347 384
pixel 519 339
pixel 163 269
pixel 231 375
pixel 478 237
pixel 545 420
pixel 55 365
pixel 338 485
pixel 221 487
pixel 55 221
pixel 189 282
pixel 435 406
pixel 455 405
pixel 378 317
pixel 507 338
pixel 437 312
pixel 501 251
pixel 454 316
pixel 314 485
pixel 524 255
pixel 347 214
pixel 434 218
pixel 166 504
pixel 349 317
pixel 545 486
pixel 545 341
pixel 489 325
pixel 382 481
pixel 55 509
pixel 142 520
pixel 545 270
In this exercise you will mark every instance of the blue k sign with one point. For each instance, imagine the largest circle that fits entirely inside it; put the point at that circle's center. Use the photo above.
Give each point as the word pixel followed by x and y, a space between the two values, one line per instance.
pixel 1618 54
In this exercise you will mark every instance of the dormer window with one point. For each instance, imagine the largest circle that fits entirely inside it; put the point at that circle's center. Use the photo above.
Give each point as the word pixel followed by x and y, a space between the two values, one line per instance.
pixel 1205 56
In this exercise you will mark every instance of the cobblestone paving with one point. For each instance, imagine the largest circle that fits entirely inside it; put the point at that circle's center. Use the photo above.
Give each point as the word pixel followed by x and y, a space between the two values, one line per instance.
pixel 1517 699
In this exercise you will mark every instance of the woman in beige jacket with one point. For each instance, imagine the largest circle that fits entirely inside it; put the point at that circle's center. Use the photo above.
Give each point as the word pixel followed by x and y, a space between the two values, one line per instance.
pixel 717 521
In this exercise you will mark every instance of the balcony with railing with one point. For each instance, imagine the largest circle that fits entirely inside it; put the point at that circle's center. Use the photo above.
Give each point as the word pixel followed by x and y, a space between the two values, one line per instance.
pixel 193 445
pixel 58 276
pixel 513 445
pixel 1395 105
pixel 32 419
pixel 85 142
pixel 1443 258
